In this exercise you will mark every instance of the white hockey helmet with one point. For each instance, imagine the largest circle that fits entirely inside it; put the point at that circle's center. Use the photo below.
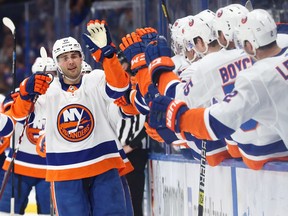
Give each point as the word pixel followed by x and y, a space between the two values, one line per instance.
pixel 199 26
pixel 85 68
pixel 177 37
pixel 258 27
pixel 64 45
pixel 39 65
pixel 226 20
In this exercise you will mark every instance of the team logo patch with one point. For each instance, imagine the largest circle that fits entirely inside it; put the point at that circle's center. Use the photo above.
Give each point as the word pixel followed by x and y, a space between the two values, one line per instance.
pixel 219 14
pixel 244 20
pixel 75 123
pixel 33 128
pixel 191 23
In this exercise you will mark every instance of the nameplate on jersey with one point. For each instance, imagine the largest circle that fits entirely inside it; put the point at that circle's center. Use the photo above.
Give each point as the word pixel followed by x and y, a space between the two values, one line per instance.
pixel 75 122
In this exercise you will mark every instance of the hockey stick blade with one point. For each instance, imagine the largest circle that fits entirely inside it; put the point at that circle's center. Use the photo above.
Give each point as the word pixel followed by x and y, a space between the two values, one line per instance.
pixel 9 24
pixel 248 5
pixel 43 54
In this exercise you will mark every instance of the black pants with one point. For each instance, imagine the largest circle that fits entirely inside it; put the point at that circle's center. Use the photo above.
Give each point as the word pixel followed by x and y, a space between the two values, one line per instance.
pixel 136 179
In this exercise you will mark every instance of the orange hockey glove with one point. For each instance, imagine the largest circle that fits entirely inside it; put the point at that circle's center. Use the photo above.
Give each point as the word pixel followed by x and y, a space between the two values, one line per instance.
pixel 133 48
pixel 36 84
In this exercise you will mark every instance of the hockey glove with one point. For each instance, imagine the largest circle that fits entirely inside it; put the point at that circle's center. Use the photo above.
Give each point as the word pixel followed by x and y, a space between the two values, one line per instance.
pixel 157 56
pixel 133 48
pixel 99 41
pixel 166 112
pixel 36 84
pixel 151 94
pixel 161 134
pixel 147 34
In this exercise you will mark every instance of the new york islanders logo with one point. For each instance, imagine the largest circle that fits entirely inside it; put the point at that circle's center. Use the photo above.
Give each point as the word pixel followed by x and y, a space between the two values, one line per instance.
pixel 75 123
pixel 33 128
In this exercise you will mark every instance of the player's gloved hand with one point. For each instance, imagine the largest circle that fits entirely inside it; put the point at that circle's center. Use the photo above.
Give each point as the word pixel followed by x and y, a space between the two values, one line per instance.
pixel 147 34
pixel 9 99
pixel 124 100
pixel 166 112
pixel 99 41
pixel 161 134
pixel 133 48
pixel 36 84
pixel 158 58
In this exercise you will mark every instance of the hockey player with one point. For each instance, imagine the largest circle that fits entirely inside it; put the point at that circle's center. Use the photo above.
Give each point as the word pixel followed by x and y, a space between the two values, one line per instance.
pixel 208 77
pixel 252 139
pixel 177 44
pixel 82 161
pixel 258 91
pixel 29 167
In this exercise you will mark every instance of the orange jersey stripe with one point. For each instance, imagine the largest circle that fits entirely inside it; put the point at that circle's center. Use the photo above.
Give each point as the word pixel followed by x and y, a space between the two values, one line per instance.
pixel 26 171
pixel 192 121
pixel 115 74
pixel 19 109
pixel 5 144
pixel 165 79
pixel 144 80
pixel 85 171
pixel 257 165
pixel 216 159
pixel 127 169
pixel 233 148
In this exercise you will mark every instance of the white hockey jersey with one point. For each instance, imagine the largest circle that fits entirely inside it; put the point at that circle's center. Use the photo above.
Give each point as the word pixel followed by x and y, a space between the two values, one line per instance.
pixel 80 142
pixel 27 161
pixel 259 94
pixel 180 64
pixel 208 79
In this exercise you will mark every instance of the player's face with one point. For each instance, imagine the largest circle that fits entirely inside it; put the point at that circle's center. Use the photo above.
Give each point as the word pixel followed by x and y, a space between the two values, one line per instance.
pixel 70 64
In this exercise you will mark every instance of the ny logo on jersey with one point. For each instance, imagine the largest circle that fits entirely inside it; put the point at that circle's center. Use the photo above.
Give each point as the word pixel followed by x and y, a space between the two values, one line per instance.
pixel 34 126
pixel 75 122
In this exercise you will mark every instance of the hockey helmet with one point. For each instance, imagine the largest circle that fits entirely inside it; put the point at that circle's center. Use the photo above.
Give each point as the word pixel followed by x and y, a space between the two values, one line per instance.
pixel 258 27
pixel 64 45
pixel 39 65
pixel 226 20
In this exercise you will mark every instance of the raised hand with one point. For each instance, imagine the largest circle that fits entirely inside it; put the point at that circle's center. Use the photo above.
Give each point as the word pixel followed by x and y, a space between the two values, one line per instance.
pixel 99 41
pixel 158 58
pixel 147 34
pixel 133 49
pixel 36 84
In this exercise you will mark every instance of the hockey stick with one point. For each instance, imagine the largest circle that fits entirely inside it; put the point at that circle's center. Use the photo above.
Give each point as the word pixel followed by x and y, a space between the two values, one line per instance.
pixel 202 179
pixel 248 5
pixel 9 24
pixel 165 12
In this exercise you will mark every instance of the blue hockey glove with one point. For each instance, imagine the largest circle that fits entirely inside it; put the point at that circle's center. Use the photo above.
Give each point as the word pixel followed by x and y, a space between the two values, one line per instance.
pixel 147 34
pixel 158 58
pixel 99 41
pixel 133 49
pixel 161 134
pixel 166 112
